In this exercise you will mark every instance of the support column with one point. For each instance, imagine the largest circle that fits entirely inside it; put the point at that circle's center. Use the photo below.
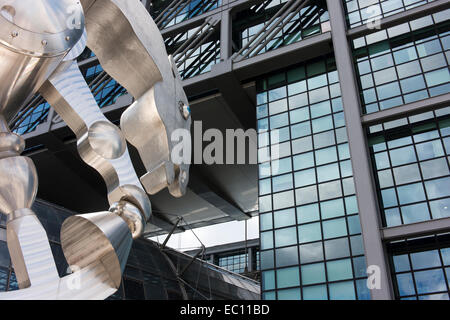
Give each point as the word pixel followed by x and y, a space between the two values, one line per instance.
pixel 362 171
pixel 225 32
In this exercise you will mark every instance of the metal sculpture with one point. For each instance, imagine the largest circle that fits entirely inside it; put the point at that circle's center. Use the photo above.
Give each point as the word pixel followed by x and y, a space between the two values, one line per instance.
pixel 40 41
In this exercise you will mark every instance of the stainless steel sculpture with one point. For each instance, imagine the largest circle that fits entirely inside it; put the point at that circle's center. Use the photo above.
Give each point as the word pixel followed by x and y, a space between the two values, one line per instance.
pixel 39 43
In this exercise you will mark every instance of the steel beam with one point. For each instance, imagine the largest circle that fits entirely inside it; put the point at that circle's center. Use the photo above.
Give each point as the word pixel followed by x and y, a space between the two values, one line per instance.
pixel 364 182
pixel 406 110
pixel 416 229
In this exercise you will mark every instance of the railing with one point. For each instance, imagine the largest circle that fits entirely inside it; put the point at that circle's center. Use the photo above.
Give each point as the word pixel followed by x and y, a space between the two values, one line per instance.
pixel 181 10
pixel 291 23
pixel 198 51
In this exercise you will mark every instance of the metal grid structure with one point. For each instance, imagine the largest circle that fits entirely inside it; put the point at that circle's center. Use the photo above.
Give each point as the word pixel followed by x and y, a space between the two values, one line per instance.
pixel 352 38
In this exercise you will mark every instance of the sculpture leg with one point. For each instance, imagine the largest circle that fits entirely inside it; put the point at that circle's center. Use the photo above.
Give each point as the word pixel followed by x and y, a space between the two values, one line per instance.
pixel 28 245
pixel 131 49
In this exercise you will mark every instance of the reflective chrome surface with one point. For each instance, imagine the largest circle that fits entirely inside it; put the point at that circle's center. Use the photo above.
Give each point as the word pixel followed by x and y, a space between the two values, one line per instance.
pixel 39 44
pixel 31 48
pixel 144 69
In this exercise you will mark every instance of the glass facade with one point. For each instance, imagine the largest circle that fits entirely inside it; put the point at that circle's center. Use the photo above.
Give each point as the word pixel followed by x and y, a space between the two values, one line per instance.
pixel 421 268
pixel 411 160
pixel 234 263
pixel 404 64
pixel 311 245
pixel 360 12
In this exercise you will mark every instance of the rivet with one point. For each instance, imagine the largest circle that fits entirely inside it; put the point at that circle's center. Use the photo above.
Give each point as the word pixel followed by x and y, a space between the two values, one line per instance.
pixel 44 42
pixel 14 34
pixel 67 38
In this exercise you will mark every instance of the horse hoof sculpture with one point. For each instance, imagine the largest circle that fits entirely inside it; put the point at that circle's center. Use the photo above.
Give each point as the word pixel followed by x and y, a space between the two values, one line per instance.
pixel 40 41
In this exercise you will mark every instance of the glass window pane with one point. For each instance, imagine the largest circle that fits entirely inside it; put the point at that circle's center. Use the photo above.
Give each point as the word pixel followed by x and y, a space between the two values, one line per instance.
pixel 327 173
pixel 303 161
pixel 289 277
pixel 415 213
pixel 342 291
pixel 405 284
pixel 281 166
pixel 330 190
pixel 284 218
pixel 401 263
pixel 327 155
pixel 402 156
pixel 322 124
pixel 438 188
pixel 339 270
pixel 266 240
pixel 287 256
pixel 267 261
pixel 281 183
pixel 407 174
pixel 266 221
pixel 434 168
pixel 313 273
pixel 429 150
pixel 334 228
pixel 332 209
pixel 311 252
pixel 430 281
pixel 309 232
pixel 411 193
pixel 305 177
pixel 315 293
pixel 440 208
pixel 268 280
pixel 283 200
pixel 285 237
pixel 425 259
pixel 338 248
pixel 289 294
pixel 306 195
pixel 308 213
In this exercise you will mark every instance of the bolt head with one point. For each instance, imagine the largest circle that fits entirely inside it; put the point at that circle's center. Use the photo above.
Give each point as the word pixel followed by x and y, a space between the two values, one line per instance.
pixel 185 110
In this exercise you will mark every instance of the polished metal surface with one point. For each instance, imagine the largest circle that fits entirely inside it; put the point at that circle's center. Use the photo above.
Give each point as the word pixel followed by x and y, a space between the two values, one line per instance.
pixel 139 62
pixel 39 44
pixel 31 48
